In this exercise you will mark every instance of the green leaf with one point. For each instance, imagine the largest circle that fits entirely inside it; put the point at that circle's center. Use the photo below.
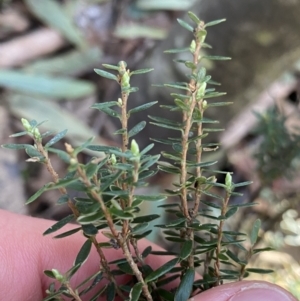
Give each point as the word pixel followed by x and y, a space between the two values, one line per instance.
pixel 142 235
pixel 258 250
pixel 53 14
pixel 242 184
pixel 151 198
pixel 110 112
pixel 186 249
pixel 106 74
pixel 121 214
pixel 147 251
pixel 59 224
pixel 231 212
pixel 214 94
pixel 44 85
pixel 176 86
pixel 141 71
pixel 193 17
pixel 218 104
pixel 112 67
pixel 110 292
pixel 259 271
pixel 111 180
pixel 69 274
pixel 216 58
pixel 32 152
pixel 254 231
pixel 63 199
pixel 83 253
pixel 16 146
pixel 145 218
pixel 212 23
pixel 136 292
pixel 162 270
pixel 56 138
pixel 102 105
pixel 61 183
pixel 102 148
pixel 89 230
pixel 177 50
pixel 90 218
pixel 186 286
pixel 64 156
pixel 185 25
pixel 136 129
pixel 142 107
pixel 37 194
pixel 18 135
pixel 68 233
pixel 176 222
pixel 140 227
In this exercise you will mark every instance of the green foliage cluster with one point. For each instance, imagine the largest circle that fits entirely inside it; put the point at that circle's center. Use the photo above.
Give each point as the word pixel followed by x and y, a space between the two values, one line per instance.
pixel 279 148
pixel 109 201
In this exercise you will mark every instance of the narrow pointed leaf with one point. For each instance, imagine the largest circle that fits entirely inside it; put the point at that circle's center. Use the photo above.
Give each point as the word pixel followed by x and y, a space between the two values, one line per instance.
pixel 107 66
pixel 145 218
pixel 186 249
pixel 142 107
pixel 59 224
pixel 254 231
pixel 193 17
pixel 217 57
pixel 231 212
pixel 110 292
pixel 106 74
pixel 83 253
pixel 177 50
pixel 16 146
pixel 56 138
pixel 136 129
pixel 212 23
pixel 141 71
pixel 37 194
pixel 101 105
pixel 186 285
pixel 136 292
pixel 162 270
pixel 185 25
pixel 68 233
pixel 259 271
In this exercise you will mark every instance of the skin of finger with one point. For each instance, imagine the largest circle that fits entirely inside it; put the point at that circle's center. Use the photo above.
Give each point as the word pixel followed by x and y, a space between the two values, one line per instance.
pixel 245 291
pixel 25 254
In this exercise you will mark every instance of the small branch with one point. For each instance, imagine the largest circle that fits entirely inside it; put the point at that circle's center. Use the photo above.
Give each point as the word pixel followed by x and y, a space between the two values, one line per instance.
pixel 136 271
pixel 220 236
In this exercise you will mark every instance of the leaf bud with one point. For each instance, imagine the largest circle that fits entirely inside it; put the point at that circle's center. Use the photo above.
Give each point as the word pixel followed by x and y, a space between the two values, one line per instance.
pixel 26 125
pixel 58 276
pixel 193 46
pixel 204 104
pixel 135 148
pixel 228 182
pixel 37 134
pixel 113 159
pixel 120 102
pixel 125 80
pixel 201 91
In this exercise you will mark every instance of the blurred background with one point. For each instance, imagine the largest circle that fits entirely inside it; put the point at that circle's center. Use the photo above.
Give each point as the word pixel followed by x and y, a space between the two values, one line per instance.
pixel 49 48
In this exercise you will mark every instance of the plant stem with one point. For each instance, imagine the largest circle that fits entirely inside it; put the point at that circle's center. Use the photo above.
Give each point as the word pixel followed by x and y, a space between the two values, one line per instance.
pixel 220 236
